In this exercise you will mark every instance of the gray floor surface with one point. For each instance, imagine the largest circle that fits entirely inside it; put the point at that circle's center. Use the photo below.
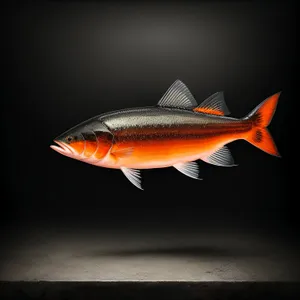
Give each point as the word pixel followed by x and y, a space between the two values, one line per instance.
pixel 70 254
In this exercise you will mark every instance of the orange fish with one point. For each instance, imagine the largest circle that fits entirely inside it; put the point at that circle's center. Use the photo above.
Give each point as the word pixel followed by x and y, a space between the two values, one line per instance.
pixel 176 132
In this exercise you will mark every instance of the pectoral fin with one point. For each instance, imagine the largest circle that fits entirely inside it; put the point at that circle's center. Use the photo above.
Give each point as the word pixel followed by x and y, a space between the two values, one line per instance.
pixel 122 152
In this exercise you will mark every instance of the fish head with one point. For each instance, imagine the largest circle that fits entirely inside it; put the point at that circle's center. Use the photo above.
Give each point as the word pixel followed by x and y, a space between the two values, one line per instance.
pixel 90 141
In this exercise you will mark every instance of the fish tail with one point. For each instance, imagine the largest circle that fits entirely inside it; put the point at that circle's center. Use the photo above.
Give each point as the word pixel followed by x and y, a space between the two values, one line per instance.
pixel 261 117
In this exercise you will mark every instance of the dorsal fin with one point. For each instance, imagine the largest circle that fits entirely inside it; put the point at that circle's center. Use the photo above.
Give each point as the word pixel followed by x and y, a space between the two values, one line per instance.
pixel 215 105
pixel 178 95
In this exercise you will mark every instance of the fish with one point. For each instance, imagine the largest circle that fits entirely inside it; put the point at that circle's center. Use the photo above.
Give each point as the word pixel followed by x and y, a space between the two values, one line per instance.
pixel 174 133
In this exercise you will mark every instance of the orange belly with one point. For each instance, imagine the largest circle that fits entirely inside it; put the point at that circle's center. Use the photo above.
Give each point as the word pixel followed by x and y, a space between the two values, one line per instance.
pixel 163 153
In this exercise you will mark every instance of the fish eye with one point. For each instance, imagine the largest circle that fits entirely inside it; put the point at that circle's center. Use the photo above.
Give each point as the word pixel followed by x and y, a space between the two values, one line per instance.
pixel 69 138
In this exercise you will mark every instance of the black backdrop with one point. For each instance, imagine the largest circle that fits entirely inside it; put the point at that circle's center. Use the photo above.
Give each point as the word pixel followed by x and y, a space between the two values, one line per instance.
pixel 68 61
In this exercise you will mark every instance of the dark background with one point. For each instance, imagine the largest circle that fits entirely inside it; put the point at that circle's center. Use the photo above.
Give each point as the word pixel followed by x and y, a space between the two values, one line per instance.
pixel 68 61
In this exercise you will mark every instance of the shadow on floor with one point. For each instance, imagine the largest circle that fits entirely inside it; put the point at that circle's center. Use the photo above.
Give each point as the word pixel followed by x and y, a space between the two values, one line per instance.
pixel 190 251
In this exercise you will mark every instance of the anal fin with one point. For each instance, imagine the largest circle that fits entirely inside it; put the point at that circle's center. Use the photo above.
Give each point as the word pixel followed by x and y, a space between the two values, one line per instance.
pixel 190 169
pixel 222 157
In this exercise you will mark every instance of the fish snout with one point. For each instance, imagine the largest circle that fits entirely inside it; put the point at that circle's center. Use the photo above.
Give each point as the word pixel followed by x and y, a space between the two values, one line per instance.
pixel 62 148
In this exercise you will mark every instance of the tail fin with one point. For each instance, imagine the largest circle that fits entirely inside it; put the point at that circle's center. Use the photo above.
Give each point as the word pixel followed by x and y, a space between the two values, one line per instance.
pixel 261 117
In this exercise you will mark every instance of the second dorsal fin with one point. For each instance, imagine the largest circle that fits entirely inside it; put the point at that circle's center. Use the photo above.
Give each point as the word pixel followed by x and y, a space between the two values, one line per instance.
pixel 178 95
pixel 214 105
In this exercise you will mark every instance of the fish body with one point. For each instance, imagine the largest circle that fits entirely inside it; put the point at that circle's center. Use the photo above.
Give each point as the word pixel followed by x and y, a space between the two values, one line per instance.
pixel 162 137
pixel 176 132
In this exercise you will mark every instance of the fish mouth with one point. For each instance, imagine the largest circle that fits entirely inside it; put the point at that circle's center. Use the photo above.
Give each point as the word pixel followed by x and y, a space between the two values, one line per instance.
pixel 62 148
